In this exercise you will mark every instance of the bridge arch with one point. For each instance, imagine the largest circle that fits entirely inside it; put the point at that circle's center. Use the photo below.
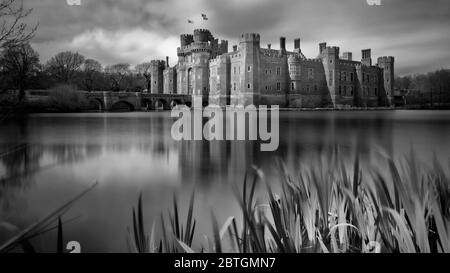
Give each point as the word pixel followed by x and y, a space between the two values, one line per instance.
pixel 96 104
pixel 122 106
pixel 147 104
pixel 160 104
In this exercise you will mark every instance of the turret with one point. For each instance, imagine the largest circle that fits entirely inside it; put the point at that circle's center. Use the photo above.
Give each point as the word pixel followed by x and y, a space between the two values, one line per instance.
pixel 186 39
pixel 156 72
pixel 202 36
pixel 250 50
pixel 387 64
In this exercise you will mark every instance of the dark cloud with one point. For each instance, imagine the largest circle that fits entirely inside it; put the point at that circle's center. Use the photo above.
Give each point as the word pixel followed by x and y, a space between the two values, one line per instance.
pixel 415 31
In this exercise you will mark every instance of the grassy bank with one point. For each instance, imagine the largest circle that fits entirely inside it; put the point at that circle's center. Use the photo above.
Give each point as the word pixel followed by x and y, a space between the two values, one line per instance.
pixel 62 99
pixel 322 208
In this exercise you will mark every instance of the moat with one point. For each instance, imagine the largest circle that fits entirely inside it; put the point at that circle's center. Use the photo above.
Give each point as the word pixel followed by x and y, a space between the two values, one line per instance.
pixel 52 157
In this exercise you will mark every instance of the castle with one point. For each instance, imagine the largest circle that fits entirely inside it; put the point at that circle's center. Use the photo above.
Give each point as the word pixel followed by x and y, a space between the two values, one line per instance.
pixel 250 74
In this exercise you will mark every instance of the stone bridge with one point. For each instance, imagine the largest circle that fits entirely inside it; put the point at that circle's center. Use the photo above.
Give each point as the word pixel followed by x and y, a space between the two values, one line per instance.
pixel 107 101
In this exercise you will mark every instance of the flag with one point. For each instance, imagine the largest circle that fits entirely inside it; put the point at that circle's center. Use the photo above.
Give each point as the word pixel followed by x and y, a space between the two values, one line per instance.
pixel 190 21
pixel 204 17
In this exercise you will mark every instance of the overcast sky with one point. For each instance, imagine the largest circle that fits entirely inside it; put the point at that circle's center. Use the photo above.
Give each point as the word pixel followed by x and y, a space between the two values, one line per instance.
pixel 416 32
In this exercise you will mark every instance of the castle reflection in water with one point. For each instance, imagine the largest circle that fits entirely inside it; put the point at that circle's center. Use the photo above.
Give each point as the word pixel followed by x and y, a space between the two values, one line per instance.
pixel 44 143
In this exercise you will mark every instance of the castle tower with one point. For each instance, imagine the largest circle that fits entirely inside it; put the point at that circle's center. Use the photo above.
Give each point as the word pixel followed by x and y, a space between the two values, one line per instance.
pixel 250 51
pixel 330 58
pixel 170 79
pixel 387 64
pixel 198 70
pixel 156 73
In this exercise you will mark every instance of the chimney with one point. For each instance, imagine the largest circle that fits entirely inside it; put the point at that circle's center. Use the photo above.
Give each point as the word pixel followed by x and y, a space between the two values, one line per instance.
pixel 322 46
pixel 348 56
pixel 269 46
pixel 282 43
pixel 234 48
pixel 366 57
pixel 297 43
pixel 167 62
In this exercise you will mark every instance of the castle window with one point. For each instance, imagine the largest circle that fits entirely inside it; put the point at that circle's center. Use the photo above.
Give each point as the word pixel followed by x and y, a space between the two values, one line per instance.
pixel 234 70
pixel 249 68
pixel 234 86
pixel 351 77
pixel 249 86
pixel 294 69
pixel 340 90
pixel 293 86
pixel 345 76
pixel 267 71
pixel 307 88
pixel 266 87
pixel 278 70
pixel 331 61
pixel 315 87
pixel 310 73
pixel 278 86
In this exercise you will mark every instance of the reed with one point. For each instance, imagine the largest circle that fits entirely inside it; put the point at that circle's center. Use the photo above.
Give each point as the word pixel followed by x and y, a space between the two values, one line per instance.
pixel 328 207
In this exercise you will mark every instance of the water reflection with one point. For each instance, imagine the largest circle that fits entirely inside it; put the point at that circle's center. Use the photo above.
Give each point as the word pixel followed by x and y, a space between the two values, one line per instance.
pixel 52 157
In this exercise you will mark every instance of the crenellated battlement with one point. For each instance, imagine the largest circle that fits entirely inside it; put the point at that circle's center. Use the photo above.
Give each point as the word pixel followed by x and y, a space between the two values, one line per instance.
pixel 271 53
pixel 235 55
pixel 331 50
pixel 386 59
pixel 202 35
pixel 219 60
pixel 194 47
pixel 250 37
pixel 186 39
pixel 158 63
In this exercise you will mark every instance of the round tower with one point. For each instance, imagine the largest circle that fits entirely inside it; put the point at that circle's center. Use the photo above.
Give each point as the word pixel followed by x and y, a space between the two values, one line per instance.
pixel 387 64
pixel 202 35
pixel 250 51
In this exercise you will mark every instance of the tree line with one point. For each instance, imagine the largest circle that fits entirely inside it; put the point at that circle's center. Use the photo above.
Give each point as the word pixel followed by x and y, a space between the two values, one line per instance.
pixel 21 69
pixel 429 88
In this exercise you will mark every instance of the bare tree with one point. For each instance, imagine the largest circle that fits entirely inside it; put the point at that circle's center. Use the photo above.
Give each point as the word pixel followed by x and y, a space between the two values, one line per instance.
pixel 13 29
pixel 144 70
pixel 117 74
pixel 19 62
pixel 64 65
pixel 91 68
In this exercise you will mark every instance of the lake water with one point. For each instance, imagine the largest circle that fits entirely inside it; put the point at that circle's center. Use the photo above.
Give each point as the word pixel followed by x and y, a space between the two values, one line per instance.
pixel 52 157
